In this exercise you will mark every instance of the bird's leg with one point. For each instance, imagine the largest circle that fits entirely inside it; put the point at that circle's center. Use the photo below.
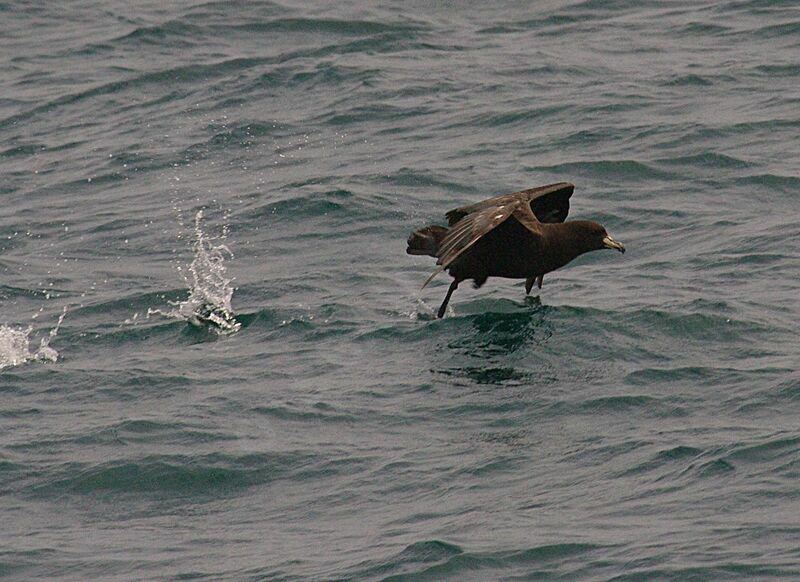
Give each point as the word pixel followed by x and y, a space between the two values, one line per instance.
pixel 531 280
pixel 453 287
pixel 529 285
pixel 478 282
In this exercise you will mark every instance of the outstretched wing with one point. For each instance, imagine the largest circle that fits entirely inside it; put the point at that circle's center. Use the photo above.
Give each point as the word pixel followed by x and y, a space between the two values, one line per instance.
pixel 549 203
pixel 473 227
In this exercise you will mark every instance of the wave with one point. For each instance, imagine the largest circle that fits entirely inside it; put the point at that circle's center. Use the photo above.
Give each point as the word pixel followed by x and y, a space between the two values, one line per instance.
pixel 711 160
pixel 438 560
pixel 553 21
pixel 788 184
pixel 172 474
pixel 611 169
pixel 324 26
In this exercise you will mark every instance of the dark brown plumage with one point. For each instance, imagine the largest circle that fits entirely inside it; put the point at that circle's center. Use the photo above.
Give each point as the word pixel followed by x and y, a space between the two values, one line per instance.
pixel 518 236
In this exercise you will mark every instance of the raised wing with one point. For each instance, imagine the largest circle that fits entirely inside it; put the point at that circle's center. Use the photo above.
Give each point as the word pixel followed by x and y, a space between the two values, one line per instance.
pixel 549 203
pixel 527 218
pixel 474 226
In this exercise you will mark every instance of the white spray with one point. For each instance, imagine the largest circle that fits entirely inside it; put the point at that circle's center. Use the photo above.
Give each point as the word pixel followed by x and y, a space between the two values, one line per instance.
pixel 15 348
pixel 210 290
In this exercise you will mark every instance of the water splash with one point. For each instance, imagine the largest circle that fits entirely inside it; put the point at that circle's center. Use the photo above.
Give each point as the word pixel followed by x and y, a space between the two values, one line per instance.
pixel 210 290
pixel 15 348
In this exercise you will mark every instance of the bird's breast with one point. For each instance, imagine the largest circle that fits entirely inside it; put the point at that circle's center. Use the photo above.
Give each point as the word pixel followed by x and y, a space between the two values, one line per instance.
pixel 509 258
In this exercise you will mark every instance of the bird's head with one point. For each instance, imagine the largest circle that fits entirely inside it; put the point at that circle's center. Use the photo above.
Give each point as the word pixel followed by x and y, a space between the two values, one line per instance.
pixel 596 237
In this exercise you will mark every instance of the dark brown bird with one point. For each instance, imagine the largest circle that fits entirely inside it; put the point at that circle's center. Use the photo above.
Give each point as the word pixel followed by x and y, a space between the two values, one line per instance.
pixel 518 236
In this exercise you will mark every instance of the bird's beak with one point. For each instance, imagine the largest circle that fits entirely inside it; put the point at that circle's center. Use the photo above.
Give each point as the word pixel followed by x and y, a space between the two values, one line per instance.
pixel 610 243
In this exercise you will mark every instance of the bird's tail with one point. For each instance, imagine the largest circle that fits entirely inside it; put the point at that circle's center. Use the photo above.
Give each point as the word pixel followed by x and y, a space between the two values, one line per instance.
pixel 425 241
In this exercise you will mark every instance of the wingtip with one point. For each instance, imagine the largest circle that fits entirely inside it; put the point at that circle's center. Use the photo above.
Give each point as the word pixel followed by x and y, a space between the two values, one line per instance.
pixel 563 186
pixel 430 278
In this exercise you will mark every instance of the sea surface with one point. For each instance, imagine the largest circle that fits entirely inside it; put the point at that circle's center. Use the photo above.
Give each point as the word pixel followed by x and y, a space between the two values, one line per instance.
pixel 216 361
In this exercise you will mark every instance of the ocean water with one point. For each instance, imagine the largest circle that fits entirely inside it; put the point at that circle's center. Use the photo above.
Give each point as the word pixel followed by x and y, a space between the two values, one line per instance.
pixel 216 362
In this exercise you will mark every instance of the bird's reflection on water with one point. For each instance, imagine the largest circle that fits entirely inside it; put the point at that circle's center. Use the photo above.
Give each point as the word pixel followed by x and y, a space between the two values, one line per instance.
pixel 498 342
pixel 496 332
pixel 499 376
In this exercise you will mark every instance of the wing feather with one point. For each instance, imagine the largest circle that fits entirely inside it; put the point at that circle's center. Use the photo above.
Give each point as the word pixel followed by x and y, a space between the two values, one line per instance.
pixel 551 203
pixel 468 231
pixel 475 226
pixel 527 218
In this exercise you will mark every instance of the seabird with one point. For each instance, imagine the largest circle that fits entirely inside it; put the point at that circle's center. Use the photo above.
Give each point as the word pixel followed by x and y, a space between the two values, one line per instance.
pixel 518 236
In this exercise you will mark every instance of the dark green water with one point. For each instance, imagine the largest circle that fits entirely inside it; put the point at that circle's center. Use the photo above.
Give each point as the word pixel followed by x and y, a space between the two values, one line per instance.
pixel 638 420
